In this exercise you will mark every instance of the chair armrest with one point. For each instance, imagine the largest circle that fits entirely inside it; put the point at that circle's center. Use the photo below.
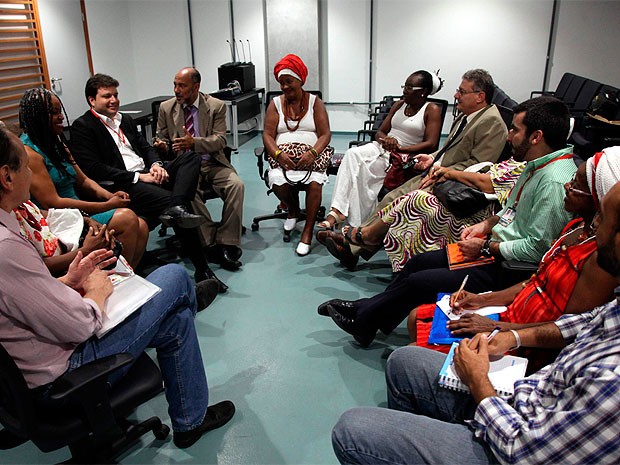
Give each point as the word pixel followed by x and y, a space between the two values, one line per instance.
pixel 87 374
pixel 258 153
pixel 366 132
pixel 516 265
pixel 514 271
pixel 357 143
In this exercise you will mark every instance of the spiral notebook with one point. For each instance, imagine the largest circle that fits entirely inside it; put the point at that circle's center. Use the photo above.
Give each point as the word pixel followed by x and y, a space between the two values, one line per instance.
pixel 503 373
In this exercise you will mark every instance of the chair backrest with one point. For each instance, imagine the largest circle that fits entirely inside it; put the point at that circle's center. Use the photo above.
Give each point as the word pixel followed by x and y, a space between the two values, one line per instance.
pixel 573 90
pixel 443 105
pixel 506 114
pixel 586 94
pixel 17 412
pixel 155 114
pixel 563 85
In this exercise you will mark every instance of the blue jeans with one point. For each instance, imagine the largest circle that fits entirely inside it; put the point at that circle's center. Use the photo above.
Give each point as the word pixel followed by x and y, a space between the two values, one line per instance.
pixel 166 323
pixel 424 422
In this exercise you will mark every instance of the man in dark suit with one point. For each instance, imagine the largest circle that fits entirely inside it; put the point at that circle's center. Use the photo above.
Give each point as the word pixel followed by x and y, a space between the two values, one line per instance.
pixel 110 150
pixel 195 123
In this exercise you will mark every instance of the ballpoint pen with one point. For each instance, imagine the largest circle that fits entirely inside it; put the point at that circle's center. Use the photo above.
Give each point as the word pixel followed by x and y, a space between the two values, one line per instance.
pixel 458 293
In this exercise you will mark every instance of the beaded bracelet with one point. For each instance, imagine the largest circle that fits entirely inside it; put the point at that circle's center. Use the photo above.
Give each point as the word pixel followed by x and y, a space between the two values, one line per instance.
pixel 314 153
pixel 276 154
pixel 517 337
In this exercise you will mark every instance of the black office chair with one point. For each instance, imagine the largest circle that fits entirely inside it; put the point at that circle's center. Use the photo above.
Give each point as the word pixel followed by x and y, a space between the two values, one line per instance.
pixel 560 90
pixel 598 132
pixel 91 420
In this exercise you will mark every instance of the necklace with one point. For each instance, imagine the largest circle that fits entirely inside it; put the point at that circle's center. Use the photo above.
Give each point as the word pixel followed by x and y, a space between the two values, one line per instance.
pixel 303 109
pixel 410 111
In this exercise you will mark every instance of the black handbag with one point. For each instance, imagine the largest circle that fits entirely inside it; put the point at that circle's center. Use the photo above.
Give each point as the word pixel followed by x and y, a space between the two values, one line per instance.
pixel 459 198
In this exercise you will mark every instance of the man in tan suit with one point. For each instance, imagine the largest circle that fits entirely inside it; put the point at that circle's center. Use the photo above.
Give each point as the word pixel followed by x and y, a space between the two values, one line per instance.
pixel 478 134
pixel 196 122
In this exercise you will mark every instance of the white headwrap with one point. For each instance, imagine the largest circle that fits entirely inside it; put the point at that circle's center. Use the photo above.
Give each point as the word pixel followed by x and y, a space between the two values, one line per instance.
pixel 437 82
pixel 603 172
pixel 290 72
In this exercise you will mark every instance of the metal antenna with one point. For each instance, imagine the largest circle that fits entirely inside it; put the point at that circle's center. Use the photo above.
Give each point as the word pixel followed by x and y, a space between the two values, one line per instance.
pixel 249 50
pixel 232 52
pixel 243 50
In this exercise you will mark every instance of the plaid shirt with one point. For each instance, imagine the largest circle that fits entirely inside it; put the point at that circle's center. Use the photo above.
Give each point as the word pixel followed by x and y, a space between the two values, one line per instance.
pixel 568 412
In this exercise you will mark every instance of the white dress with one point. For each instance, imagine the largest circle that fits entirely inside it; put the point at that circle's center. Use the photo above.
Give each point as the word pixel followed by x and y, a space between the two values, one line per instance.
pixel 305 133
pixel 362 170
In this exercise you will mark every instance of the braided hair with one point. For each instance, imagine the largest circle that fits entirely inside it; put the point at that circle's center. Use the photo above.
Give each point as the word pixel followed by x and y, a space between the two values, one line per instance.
pixel 35 118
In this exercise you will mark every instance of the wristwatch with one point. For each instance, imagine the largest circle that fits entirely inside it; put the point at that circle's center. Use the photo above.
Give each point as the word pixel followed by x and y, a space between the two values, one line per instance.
pixel 485 251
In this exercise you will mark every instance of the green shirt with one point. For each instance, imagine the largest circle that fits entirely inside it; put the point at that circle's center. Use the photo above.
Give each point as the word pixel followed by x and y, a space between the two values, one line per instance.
pixel 539 213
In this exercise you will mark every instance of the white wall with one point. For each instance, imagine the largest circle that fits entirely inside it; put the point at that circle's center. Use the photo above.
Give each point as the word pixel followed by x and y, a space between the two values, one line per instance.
pixel 142 43
pixel 112 43
pixel 508 38
pixel 346 74
pixel 587 41
pixel 158 51
pixel 211 29
pixel 293 30
pixel 63 36
pixel 249 25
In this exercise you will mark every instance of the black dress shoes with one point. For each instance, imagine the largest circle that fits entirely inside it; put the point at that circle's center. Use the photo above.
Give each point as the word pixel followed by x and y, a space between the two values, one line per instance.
pixel 217 415
pixel 234 251
pixel 206 292
pixel 227 256
pixel 180 216
pixel 346 307
pixel 348 324
pixel 209 274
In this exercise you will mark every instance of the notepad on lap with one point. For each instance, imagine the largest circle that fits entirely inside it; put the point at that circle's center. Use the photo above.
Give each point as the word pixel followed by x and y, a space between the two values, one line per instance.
pixel 456 260
pixel 130 293
pixel 503 373
pixel 440 334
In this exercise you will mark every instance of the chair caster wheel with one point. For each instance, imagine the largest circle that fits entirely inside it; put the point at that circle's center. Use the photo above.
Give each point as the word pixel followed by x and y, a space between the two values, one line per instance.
pixel 254 227
pixel 161 432
pixel 287 236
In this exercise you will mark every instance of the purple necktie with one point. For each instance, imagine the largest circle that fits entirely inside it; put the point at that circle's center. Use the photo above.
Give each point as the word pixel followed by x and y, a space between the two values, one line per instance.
pixel 189 119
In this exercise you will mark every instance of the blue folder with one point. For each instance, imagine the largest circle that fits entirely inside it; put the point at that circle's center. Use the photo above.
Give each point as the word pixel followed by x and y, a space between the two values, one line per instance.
pixel 439 333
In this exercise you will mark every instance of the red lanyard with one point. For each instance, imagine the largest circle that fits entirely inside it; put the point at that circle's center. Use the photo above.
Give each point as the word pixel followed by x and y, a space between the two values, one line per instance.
pixel 563 157
pixel 119 133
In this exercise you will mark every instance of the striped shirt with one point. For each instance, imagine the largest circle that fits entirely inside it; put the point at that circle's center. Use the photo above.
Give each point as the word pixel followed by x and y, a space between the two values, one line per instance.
pixel 568 412
pixel 540 215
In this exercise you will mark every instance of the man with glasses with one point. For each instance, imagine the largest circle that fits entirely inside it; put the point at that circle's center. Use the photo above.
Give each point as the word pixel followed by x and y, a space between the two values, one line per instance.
pixel 478 134
pixel 522 230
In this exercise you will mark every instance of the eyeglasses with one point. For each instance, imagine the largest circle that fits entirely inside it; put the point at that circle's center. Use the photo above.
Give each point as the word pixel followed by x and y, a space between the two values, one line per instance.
pixel 410 88
pixel 570 188
pixel 465 92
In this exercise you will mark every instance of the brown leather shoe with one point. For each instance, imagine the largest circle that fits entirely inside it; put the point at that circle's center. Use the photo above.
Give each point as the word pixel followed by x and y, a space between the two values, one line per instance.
pixel 339 248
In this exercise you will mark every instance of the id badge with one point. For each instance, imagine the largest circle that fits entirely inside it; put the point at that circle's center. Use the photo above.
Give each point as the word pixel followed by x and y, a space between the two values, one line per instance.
pixel 507 217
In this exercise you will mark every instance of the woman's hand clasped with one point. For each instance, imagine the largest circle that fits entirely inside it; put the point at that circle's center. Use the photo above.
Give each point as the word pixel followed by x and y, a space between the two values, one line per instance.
pixel 390 144
pixel 305 162
pixel 285 161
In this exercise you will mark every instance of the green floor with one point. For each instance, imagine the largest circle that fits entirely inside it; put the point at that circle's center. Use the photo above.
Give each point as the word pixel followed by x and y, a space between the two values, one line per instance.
pixel 290 372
